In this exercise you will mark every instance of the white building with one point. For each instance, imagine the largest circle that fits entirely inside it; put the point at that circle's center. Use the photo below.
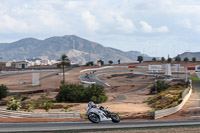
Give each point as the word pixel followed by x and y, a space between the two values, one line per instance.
pixel 20 64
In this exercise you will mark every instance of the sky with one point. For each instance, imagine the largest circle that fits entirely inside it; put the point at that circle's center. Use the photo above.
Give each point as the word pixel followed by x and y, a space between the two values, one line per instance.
pixel 153 27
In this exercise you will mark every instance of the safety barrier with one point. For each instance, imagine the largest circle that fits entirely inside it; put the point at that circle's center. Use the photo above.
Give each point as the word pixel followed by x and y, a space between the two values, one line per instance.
pixel 106 67
pixel 169 111
pixel 21 114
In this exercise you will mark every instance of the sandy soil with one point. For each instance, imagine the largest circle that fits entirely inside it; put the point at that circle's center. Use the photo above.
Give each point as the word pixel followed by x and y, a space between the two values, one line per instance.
pixel 152 130
pixel 122 97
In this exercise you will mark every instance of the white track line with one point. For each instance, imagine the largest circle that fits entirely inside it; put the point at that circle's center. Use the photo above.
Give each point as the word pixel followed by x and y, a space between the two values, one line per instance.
pixel 194 108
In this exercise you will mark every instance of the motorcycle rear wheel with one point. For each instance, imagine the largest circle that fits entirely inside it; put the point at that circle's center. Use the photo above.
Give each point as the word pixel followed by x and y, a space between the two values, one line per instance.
pixel 93 118
pixel 115 118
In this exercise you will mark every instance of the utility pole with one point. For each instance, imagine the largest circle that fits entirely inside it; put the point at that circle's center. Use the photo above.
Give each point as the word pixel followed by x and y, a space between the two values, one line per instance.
pixel 89 56
pixel 1 64
pixel 74 44
pixel 156 92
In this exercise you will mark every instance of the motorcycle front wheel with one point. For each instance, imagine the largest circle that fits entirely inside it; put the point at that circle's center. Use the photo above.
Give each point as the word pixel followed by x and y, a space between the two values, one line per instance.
pixel 93 118
pixel 115 118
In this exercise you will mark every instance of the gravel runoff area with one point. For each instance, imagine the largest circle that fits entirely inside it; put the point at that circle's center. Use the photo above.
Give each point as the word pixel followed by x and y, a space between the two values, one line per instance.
pixel 154 130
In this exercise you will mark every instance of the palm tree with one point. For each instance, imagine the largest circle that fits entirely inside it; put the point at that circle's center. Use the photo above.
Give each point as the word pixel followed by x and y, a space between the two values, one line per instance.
pixel 64 62
pixel 163 59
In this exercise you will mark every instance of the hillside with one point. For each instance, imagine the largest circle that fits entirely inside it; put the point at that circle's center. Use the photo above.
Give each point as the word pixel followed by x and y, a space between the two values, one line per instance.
pixel 190 55
pixel 75 47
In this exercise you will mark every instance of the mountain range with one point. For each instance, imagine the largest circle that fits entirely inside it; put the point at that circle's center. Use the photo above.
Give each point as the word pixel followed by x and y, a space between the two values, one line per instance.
pixel 190 55
pixel 79 50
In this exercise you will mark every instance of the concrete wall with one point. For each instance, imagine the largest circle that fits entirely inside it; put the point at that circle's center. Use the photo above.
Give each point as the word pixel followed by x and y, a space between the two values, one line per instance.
pixel 169 111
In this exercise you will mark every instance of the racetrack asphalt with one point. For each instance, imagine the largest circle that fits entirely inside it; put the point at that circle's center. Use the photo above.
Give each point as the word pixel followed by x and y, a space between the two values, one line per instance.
pixel 86 125
pixel 92 77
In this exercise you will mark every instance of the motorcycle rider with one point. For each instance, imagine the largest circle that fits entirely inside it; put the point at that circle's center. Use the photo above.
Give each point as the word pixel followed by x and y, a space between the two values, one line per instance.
pixel 92 105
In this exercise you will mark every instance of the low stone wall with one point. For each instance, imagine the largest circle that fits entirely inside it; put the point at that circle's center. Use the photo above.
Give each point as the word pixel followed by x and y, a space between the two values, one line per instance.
pixel 165 112
pixel 21 114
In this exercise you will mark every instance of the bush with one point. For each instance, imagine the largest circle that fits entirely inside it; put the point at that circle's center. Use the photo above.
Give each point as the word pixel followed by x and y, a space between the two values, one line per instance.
pixel 66 108
pixel 95 93
pixel 91 63
pixel 70 93
pixel 79 93
pixel 13 104
pixel 3 91
pixel 47 106
pixel 29 107
pixel 161 86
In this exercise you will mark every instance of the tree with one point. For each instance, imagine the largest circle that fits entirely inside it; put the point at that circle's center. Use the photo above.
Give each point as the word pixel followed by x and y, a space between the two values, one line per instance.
pixel 159 86
pixel 101 61
pixel 13 104
pixel 110 62
pixel 194 59
pixel 163 59
pixel 140 59
pixel 78 93
pixel 119 61
pixel 186 59
pixel 90 63
pixel 169 60
pixel 3 91
pixel 178 58
pixel 153 59
pixel 64 62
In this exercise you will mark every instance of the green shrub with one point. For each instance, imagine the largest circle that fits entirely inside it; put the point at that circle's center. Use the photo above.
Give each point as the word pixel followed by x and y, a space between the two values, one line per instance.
pixel 70 93
pixel 29 107
pixel 66 107
pixel 95 93
pixel 160 86
pixel 3 91
pixel 47 106
pixel 79 93
pixel 13 104
pixel 24 98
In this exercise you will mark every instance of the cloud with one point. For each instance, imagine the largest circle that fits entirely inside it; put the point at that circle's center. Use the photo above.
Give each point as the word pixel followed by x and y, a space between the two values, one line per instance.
pixel 90 21
pixel 146 27
pixel 178 21
pixel 9 24
pixel 162 29
pixel 125 25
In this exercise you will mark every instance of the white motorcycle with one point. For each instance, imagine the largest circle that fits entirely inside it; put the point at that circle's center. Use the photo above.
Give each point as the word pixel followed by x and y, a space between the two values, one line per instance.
pixel 97 115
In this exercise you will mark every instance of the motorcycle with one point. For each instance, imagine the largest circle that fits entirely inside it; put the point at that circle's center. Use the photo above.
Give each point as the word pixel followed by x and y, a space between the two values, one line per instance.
pixel 97 115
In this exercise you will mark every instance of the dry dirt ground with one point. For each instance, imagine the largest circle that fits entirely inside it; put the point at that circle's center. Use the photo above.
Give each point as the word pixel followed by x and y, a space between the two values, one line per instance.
pixel 151 130
pixel 123 98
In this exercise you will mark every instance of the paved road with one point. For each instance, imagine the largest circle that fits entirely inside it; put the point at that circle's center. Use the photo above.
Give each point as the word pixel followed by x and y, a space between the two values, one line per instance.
pixel 197 87
pixel 58 126
pixel 93 77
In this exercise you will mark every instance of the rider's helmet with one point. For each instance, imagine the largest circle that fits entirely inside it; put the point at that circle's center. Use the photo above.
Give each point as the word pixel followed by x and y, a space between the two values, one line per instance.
pixel 101 108
pixel 90 104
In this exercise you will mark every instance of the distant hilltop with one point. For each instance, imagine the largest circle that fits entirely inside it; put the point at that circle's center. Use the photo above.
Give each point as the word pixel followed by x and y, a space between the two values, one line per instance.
pixel 190 55
pixel 79 50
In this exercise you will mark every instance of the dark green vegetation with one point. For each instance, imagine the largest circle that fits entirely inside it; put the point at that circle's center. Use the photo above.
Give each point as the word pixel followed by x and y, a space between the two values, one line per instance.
pixel 169 97
pixel 186 59
pixel 178 58
pixel 194 79
pixel 140 59
pixel 3 91
pixel 79 93
pixel 163 59
pixel 159 86
pixel 90 63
